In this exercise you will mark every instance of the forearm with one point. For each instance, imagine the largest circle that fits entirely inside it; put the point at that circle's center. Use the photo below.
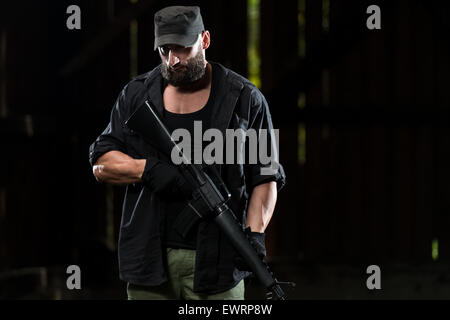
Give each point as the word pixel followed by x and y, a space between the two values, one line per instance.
pixel 116 167
pixel 261 207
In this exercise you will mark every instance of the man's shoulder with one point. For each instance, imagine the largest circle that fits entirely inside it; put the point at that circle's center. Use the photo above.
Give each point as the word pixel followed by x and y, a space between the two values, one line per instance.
pixel 141 83
pixel 247 88
pixel 234 77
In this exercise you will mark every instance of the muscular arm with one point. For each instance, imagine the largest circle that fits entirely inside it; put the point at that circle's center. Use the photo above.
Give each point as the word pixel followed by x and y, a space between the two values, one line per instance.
pixel 116 167
pixel 262 204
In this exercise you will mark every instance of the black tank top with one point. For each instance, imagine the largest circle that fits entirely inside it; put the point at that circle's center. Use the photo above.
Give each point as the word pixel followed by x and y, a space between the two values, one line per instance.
pixel 172 121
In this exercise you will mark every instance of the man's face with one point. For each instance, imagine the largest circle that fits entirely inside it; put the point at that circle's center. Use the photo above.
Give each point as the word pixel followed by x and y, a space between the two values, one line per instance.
pixel 182 65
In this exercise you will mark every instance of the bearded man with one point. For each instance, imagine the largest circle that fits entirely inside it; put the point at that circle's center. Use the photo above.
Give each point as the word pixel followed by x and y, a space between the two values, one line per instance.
pixel 165 250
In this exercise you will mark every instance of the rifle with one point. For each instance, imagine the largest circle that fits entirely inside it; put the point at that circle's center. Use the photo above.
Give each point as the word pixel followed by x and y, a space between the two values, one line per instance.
pixel 213 198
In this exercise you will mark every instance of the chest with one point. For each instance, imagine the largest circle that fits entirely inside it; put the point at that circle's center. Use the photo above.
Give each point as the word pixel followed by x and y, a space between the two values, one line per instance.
pixel 185 102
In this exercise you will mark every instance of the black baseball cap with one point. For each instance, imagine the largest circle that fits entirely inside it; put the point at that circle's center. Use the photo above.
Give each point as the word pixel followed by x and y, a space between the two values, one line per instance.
pixel 178 25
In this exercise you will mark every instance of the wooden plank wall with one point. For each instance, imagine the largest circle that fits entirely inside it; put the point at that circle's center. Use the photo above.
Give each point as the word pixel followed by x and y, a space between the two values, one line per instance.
pixel 375 184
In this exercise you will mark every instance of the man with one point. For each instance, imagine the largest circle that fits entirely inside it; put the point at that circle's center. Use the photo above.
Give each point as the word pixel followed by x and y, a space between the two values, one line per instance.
pixel 166 251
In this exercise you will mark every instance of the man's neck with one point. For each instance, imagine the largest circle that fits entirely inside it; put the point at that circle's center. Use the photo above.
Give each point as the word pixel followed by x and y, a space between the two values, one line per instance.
pixel 200 84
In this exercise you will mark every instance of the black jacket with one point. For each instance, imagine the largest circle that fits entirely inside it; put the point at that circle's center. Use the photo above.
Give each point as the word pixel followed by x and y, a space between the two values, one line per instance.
pixel 238 104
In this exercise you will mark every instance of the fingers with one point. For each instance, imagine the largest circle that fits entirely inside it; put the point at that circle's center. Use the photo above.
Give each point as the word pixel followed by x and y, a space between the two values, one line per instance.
pixel 97 170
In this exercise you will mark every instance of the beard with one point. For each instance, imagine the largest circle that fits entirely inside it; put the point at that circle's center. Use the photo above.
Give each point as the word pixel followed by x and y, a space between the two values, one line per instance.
pixel 191 71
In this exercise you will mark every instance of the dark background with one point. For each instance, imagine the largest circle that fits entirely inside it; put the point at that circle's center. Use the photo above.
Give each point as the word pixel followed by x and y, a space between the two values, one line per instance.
pixel 364 139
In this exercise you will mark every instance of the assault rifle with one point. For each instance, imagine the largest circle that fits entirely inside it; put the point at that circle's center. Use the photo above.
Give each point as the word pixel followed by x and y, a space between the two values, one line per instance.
pixel 208 195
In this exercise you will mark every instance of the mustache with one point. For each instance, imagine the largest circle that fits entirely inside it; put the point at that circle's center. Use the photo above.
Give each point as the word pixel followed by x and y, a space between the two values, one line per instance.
pixel 177 67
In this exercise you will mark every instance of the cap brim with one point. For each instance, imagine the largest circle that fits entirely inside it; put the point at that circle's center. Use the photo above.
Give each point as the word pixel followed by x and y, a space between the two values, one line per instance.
pixel 185 40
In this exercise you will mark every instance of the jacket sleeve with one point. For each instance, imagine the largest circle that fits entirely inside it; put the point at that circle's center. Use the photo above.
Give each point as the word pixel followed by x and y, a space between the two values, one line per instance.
pixel 268 167
pixel 112 138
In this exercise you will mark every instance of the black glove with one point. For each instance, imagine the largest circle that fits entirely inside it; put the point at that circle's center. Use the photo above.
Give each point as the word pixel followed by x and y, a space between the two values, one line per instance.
pixel 257 240
pixel 165 179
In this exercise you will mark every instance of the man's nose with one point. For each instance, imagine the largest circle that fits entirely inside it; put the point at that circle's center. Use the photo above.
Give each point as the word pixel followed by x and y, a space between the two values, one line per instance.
pixel 173 59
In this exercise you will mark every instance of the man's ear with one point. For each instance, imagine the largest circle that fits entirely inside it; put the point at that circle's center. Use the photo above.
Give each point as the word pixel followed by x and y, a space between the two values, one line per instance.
pixel 206 40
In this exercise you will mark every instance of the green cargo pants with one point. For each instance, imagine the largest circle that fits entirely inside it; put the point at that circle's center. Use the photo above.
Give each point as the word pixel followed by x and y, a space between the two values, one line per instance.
pixel 181 265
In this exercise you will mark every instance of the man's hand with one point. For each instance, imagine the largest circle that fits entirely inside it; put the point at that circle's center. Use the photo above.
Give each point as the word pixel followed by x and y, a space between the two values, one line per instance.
pixel 119 168
pixel 257 240
pixel 165 179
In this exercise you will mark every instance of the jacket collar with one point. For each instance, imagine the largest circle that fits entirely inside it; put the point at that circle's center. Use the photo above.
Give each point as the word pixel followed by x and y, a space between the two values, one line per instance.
pixel 227 94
